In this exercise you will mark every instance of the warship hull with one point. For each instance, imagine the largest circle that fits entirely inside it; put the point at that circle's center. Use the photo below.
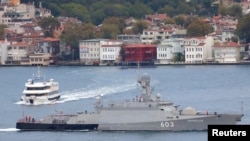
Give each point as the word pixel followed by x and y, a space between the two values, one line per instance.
pixel 54 127
pixel 190 124
pixel 185 123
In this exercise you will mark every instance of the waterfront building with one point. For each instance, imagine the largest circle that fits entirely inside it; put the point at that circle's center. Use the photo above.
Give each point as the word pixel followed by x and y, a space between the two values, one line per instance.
pixel 89 51
pixel 227 52
pixel 140 53
pixel 198 49
pixel 168 49
pixel 110 52
pixel 49 45
pixel 18 52
pixel 3 51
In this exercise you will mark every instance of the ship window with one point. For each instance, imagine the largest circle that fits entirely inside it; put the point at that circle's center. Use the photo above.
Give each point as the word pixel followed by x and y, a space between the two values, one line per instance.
pixel 38 88
pixel 35 95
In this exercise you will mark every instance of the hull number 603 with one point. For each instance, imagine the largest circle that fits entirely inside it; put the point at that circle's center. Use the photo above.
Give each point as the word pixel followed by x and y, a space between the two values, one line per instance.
pixel 167 124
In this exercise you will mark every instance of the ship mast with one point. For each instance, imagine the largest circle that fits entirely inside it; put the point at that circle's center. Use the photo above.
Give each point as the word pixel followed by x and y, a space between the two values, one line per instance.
pixel 138 73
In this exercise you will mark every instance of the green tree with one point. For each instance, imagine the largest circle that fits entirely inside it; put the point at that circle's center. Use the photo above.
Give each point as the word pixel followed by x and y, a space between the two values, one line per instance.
pixel 98 16
pixel 139 10
pixel 198 28
pixel 109 31
pixel 189 19
pixel 180 20
pixel 140 26
pixel 184 8
pixel 115 21
pixel 110 28
pixel 76 10
pixel 223 10
pixel 169 10
pixel 169 21
pixel 115 10
pixel 49 24
pixel 235 11
pixel 73 33
pixel 243 28
pixel 57 10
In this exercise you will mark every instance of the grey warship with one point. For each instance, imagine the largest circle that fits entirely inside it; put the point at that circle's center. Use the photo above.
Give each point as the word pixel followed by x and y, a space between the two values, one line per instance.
pixel 146 112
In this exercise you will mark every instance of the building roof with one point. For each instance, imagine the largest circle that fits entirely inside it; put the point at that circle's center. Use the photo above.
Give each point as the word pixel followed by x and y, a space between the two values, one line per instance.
pixel 49 39
pixel 139 45
pixel 227 44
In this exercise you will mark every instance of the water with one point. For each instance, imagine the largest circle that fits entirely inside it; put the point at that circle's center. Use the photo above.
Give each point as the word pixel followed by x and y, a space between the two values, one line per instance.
pixel 207 88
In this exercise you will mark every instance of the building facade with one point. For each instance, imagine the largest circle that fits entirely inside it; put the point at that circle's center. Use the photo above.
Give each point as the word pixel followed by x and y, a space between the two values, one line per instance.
pixel 110 52
pixel 89 51
pixel 3 51
pixel 168 49
pixel 140 53
pixel 19 52
pixel 227 52
pixel 198 49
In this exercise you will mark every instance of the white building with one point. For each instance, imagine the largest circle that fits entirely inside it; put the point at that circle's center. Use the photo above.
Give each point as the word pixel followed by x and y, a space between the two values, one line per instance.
pixel 19 52
pixel 3 51
pixel 99 51
pixel 89 51
pixel 168 49
pixel 198 49
pixel 152 35
pixel 110 52
pixel 227 52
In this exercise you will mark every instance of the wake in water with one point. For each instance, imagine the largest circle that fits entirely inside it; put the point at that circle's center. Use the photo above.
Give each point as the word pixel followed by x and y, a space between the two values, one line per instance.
pixel 9 130
pixel 82 93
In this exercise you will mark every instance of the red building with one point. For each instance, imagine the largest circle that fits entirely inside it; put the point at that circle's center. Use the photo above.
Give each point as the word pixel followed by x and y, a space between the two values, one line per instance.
pixel 140 53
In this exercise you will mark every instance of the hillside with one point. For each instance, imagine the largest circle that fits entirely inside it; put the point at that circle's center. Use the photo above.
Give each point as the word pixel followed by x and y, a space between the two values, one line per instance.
pixel 95 11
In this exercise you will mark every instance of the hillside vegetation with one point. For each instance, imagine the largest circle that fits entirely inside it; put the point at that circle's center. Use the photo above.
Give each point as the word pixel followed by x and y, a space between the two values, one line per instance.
pixel 95 11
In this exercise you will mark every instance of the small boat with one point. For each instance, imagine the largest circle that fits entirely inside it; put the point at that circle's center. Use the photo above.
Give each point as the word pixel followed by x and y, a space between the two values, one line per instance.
pixel 38 90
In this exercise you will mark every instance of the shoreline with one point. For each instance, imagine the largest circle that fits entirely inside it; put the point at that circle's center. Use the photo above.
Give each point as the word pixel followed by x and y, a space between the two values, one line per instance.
pixel 129 66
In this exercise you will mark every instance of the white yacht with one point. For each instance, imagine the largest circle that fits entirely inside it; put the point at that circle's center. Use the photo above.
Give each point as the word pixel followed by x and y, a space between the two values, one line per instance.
pixel 38 90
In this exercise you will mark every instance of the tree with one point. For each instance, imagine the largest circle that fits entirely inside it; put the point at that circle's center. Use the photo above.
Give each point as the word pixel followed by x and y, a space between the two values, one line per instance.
pixel 223 10
pixel 111 27
pixel 139 27
pixel 243 28
pixel 76 10
pixel 235 11
pixel 56 9
pixel 49 24
pixel 169 21
pixel 115 21
pixel 180 20
pixel 73 33
pixel 115 10
pixel 139 10
pixel 184 8
pixel 109 31
pixel 198 28
pixel 169 10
